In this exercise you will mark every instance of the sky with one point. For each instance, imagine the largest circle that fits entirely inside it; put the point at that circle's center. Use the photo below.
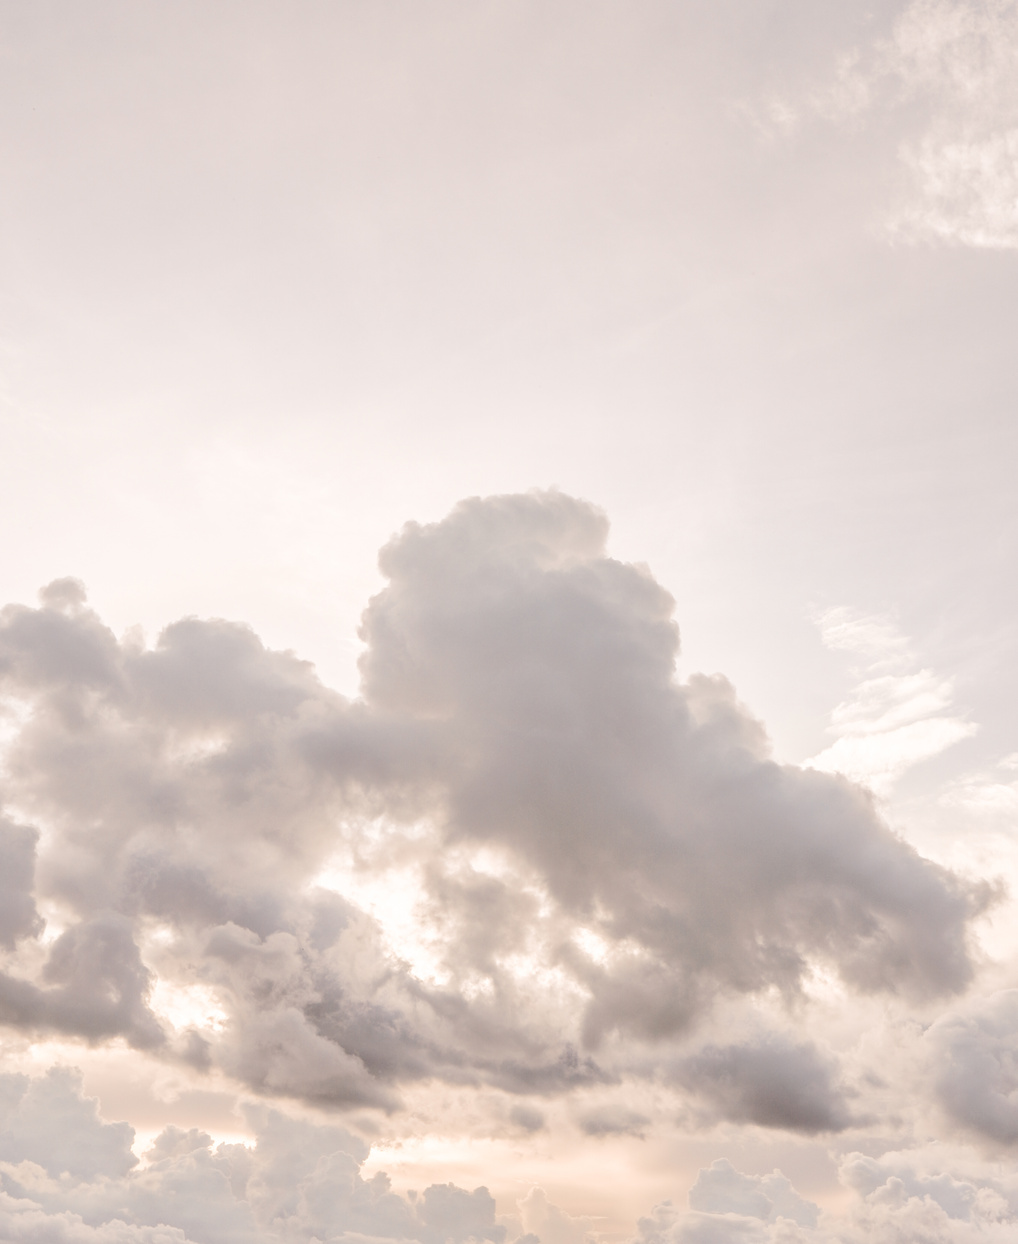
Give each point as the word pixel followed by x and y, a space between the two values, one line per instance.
pixel 507 662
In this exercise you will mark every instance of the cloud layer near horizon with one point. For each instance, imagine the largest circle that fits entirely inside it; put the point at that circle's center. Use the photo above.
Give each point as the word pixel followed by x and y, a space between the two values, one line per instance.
pixel 67 1177
pixel 594 853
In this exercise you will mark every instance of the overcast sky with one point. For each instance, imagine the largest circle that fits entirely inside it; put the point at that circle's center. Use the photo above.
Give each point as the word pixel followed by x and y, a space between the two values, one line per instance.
pixel 509 678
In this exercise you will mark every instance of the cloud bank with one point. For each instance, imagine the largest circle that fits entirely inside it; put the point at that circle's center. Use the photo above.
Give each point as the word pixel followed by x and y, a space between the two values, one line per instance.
pixel 67 1177
pixel 595 852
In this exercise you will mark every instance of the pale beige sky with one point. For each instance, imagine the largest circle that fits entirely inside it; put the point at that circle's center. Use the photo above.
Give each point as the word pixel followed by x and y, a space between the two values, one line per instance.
pixel 277 279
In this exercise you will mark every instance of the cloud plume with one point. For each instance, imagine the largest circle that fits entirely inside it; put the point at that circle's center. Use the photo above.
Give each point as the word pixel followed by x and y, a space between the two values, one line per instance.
pixel 522 756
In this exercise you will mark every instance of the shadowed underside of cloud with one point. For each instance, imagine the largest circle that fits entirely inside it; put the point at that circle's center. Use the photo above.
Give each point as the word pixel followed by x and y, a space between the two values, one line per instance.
pixel 772 1082
pixel 564 808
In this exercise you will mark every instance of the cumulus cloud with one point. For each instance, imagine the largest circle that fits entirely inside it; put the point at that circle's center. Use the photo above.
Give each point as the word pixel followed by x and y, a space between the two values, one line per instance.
pixel 47 1121
pixel 593 852
pixel 896 1203
pixel 66 1175
pixel 548 1223
pixel 721 1189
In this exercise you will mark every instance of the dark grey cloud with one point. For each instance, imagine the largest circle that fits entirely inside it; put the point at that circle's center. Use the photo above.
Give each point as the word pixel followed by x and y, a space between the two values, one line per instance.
pixel 650 808
pixel 519 699
pixel 95 986
pixel 894 1178
pixel 772 1082
pixel 895 1201
pixel 68 1177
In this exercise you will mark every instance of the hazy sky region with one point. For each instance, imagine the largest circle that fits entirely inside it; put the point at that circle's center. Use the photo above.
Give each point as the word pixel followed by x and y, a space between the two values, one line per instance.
pixel 507 696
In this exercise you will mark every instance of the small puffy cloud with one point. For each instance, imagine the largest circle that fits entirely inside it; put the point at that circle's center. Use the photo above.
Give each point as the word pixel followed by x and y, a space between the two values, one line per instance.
pixel 721 1189
pixel 526 1117
pixel 549 1223
pixel 667 1224
pixel 893 1178
pixel 450 1213
pixel 894 1204
pixel 909 1196
pixel 93 985
pixel 68 1176
pixel 961 56
pixel 772 1082
pixel 47 1121
pixel 174 1141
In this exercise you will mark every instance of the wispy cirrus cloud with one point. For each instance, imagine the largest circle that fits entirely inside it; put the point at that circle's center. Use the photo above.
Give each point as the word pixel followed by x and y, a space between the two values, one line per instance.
pixel 897 715
pixel 947 72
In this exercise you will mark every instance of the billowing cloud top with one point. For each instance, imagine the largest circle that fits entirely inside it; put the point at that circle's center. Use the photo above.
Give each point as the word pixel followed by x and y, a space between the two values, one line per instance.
pixel 595 852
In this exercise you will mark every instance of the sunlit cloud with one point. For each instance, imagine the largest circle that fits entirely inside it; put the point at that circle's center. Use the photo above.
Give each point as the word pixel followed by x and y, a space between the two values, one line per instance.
pixel 896 716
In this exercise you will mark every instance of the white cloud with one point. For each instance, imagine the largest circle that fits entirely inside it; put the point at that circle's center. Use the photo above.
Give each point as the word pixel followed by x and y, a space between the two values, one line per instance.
pixel 947 75
pixel 963 58
pixel 67 1176
pixel 896 716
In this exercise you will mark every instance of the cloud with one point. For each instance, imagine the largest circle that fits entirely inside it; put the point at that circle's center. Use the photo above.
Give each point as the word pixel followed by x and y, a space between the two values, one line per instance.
pixel 944 77
pixel 975 1060
pixel 894 1202
pixel 772 1082
pixel 68 1176
pixel 549 1224
pixel 47 1121
pixel 589 851
pixel 667 1224
pixel 721 1189
pixel 895 717
pixel 613 1119
pixel 893 1178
